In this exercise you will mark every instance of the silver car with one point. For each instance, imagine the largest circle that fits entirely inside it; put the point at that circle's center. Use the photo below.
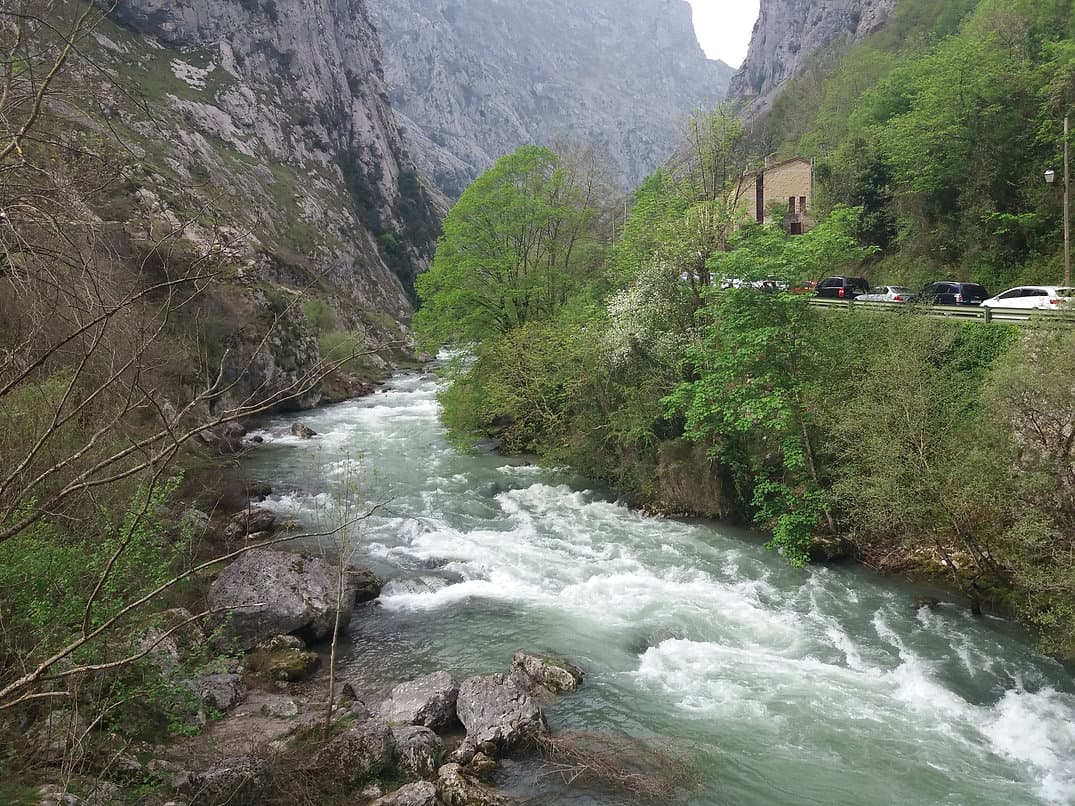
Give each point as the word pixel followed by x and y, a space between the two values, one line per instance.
pixel 886 293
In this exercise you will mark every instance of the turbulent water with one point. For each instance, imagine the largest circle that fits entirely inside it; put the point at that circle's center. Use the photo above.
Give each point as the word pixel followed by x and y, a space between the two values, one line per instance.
pixel 824 686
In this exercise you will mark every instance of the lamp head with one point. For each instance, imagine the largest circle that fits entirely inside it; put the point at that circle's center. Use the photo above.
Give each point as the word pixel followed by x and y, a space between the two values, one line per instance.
pixel 1050 176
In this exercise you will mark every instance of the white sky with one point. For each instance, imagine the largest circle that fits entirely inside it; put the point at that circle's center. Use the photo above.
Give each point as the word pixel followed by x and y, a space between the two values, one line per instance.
pixel 724 27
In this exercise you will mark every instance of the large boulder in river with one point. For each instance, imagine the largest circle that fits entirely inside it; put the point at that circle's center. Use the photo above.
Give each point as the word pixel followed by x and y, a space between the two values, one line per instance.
pixel 268 593
pixel 364 581
pixel 302 431
pixel 544 675
pixel 498 713
pixel 428 701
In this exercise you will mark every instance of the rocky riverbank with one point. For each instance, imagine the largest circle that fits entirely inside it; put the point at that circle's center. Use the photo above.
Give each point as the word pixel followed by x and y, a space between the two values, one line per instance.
pixel 273 722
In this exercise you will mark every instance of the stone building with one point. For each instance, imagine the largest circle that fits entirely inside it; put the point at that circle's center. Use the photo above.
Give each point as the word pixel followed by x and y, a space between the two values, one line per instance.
pixel 787 187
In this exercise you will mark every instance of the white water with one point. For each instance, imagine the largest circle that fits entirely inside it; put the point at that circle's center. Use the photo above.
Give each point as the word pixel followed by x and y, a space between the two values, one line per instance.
pixel 789 687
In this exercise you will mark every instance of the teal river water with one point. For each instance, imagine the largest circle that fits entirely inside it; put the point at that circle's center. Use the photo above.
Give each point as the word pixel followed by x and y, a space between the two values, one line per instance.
pixel 823 686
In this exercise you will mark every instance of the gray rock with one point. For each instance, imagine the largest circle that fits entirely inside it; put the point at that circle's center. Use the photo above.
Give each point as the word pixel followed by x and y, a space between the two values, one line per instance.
pixel 167 648
pixel 420 793
pixel 220 691
pixel 57 737
pixel 428 701
pixel 196 521
pixel 464 754
pixel 359 753
pixel 544 675
pixel 278 642
pixel 55 795
pixel 418 751
pixel 930 602
pixel 250 521
pixel 280 708
pixel 257 490
pixel 104 793
pixel 481 766
pixel 282 665
pixel 269 593
pixel 370 791
pixel 367 586
pixel 302 431
pixel 237 781
pixel 498 713
pixel 456 788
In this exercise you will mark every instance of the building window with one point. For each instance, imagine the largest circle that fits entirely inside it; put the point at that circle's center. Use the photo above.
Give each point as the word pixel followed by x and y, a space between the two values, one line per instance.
pixel 802 204
pixel 796 228
pixel 791 204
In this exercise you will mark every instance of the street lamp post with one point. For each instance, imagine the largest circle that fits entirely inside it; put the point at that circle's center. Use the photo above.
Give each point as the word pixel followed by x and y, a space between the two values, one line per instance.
pixel 1050 177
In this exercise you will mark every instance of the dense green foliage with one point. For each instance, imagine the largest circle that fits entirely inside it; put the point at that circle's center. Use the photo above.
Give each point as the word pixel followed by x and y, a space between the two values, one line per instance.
pixel 941 125
pixel 516 245
pixel 917 444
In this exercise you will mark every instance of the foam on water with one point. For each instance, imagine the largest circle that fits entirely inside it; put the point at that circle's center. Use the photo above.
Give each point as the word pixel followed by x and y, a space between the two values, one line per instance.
pixel 823 672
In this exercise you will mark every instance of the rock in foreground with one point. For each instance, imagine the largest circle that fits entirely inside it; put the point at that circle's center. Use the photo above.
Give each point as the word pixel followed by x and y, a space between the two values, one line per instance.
pixel 268 593
pixel 422 793
pixel 456 788
pixel 241 781
pixel 428 701
pixel 498 713
pixel 359 753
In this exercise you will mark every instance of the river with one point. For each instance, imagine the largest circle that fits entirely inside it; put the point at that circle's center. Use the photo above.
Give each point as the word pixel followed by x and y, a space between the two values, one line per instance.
pixel 824 686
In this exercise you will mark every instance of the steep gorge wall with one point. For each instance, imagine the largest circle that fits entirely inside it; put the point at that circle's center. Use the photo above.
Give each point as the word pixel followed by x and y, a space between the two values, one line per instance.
pixel 281 105
pixel 474 79
pixel 789 32
pixel 258 135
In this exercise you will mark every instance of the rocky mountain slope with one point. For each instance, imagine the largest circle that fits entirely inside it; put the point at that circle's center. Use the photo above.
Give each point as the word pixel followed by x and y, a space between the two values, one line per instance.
pixel 789 32
pixel 262 135
pixel 473 79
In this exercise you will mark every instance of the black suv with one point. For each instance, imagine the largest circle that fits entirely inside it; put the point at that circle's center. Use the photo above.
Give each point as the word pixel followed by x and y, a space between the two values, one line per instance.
pixel 842 287
pixel 952 293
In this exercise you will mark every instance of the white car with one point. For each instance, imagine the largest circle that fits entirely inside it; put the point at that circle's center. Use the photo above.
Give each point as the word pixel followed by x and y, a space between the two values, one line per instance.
pixel 1033 296
pixel 886 293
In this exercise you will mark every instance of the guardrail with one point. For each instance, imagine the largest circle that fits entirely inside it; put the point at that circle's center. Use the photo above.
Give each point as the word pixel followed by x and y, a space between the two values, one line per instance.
pixel 1008 316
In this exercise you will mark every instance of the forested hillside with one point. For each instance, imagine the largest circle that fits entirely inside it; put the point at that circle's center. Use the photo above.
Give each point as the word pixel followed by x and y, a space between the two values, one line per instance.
pixel 941 125
pixel 916 445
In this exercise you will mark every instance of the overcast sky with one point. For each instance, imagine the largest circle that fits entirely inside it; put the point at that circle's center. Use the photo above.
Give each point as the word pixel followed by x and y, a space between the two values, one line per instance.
pixel 724 27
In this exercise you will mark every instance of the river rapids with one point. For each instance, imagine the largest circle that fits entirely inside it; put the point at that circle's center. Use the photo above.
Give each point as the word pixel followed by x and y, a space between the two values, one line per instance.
pixel 783 686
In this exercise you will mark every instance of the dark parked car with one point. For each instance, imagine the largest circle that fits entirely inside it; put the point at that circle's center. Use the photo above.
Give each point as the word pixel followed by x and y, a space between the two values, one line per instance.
pixel 842 287
pixel 952 293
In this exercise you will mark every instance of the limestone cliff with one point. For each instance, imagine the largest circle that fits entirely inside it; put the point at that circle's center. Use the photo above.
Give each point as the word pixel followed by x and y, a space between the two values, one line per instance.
pixel 473 79
pixel 262 129
pixel 789 32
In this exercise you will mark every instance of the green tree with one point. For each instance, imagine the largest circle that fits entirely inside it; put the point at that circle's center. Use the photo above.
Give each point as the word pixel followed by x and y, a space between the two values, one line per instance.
pixel 751 375
pixel 516 245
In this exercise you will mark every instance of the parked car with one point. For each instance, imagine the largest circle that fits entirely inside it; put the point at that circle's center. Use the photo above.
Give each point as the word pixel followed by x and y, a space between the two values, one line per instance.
pixel 842 287
pixel 887 293
pixel 952 293
pixel 1033 296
